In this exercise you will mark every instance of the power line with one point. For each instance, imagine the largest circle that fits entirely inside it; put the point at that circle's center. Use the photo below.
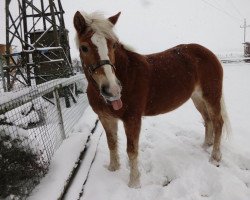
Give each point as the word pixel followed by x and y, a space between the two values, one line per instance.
pixel 221 7
pixel 216 3
pixel 235 8
pixel 223 11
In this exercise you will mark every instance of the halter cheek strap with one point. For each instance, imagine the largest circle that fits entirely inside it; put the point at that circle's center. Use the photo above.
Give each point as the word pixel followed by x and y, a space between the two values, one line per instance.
pixel 94 67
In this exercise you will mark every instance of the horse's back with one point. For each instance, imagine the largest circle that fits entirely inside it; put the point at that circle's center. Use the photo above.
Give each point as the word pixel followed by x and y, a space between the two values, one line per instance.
pixel 176 72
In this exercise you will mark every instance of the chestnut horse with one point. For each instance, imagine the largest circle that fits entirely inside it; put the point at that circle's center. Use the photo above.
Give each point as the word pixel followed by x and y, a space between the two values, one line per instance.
pixel 124 85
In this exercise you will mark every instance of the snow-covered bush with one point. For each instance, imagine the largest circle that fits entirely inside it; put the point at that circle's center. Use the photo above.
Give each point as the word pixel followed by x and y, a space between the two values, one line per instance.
pixel 21 166
pixel 28 115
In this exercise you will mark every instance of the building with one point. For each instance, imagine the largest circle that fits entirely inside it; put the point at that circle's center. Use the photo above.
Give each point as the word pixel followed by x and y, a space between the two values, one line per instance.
pixel 247 49
pixel 2 49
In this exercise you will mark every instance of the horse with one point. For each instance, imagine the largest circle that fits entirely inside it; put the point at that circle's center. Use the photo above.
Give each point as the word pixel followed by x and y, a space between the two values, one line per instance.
pixel 125 85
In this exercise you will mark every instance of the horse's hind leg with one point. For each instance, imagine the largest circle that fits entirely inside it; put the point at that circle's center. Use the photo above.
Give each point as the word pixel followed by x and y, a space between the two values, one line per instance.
pixel 201 107
pixel 214 111
pixel 110 126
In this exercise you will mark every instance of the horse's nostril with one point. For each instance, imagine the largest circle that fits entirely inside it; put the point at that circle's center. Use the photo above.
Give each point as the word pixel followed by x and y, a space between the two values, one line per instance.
pixel 105 91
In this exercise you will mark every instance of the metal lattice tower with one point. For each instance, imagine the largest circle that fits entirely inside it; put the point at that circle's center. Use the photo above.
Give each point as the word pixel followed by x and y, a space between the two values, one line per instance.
pixel 37 31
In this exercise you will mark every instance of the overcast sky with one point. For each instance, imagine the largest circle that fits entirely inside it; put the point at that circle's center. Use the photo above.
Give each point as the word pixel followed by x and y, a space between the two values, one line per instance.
pixel 154 25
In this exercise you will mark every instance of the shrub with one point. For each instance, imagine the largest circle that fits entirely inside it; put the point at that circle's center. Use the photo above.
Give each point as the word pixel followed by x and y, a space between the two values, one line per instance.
pixel 21 167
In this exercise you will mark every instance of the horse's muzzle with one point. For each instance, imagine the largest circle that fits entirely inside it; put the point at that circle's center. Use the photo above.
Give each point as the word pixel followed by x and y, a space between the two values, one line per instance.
pixel 115 101
pixel 111 98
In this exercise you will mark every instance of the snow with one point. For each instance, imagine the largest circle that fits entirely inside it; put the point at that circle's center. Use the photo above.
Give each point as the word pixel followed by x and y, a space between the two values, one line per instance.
pixel 22 116
pixel 82 175
pixel 173 164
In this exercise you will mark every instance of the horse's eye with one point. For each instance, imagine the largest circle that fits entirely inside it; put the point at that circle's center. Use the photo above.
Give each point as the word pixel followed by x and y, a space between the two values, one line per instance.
pixel 84 48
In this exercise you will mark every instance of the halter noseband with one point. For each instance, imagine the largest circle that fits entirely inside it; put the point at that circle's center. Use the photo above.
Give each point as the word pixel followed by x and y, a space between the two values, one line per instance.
pixel 91 68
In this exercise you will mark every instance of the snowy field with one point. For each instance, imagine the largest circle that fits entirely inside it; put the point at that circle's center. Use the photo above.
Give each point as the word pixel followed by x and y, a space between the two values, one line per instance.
pixel 173 164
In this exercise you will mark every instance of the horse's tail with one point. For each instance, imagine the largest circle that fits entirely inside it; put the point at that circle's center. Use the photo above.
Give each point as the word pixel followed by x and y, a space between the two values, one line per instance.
pixel 226 126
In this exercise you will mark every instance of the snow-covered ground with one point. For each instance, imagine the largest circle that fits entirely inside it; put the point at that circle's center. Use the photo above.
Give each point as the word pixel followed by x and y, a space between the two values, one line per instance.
pixel 64 160
pixel 173 164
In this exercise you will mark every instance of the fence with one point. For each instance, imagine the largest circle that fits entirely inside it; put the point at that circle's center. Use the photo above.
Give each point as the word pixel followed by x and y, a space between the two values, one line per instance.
pixel 39 118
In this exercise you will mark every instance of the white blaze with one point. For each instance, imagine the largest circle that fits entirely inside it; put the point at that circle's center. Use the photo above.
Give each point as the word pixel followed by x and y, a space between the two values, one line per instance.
pixel 101 43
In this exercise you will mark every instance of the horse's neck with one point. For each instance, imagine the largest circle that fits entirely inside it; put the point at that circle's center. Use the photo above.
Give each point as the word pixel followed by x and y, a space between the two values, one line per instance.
pixel 125 58
pixel 121 58
pixel 128 65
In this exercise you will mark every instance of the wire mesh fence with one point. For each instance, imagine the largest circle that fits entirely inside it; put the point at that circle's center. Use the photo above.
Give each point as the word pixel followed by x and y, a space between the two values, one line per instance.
pixel 35 120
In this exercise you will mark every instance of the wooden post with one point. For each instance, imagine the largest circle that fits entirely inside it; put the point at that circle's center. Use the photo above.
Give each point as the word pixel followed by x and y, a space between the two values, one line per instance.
pixel 59 112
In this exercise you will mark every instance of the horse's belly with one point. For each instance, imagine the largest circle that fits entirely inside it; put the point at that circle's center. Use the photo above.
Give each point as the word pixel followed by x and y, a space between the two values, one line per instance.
pixel 161 107
pixel 168 96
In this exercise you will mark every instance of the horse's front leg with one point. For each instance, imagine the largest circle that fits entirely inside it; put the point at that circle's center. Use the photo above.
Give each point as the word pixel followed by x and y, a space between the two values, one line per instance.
pixel 110 126
pixel 132 129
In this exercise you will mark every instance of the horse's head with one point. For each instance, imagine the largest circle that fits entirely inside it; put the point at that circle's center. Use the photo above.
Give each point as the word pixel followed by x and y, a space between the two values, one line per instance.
pixel 97 43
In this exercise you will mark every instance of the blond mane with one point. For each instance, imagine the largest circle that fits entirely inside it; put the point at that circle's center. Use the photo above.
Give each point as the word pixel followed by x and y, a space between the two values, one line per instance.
pixel 99 24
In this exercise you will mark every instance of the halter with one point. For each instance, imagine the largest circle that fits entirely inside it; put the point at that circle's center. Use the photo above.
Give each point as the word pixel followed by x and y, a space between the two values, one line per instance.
pixel 91 68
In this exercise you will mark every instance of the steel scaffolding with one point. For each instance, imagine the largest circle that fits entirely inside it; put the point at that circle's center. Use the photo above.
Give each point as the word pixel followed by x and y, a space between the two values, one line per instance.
pixel 37 30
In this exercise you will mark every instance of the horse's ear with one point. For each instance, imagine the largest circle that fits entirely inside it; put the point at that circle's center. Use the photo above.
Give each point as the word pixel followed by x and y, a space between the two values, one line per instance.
pixel 114 18
pixel 79 23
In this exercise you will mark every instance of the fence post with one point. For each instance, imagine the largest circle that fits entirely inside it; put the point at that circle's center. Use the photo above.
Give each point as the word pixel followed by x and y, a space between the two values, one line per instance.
pixel 59 112
pixel 2 73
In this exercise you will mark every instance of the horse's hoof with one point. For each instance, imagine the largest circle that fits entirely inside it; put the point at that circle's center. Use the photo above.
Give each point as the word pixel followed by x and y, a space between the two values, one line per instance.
pixel 134 184
pixel 206 145
pixel 113 167
pixel 214 162
pixel 215 159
